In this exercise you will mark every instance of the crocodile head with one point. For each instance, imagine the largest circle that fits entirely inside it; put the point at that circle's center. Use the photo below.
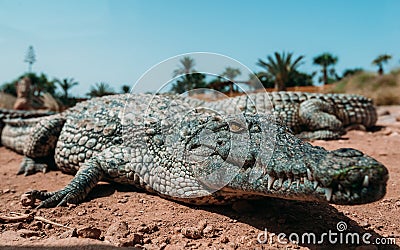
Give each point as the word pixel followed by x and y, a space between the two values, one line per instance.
pixel 351 177
pixel 253 155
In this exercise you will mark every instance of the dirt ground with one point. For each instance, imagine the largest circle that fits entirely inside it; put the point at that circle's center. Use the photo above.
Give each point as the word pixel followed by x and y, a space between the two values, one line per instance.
pixel 118 216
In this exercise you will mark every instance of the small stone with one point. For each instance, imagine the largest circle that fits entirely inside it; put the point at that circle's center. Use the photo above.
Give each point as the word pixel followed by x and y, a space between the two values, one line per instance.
pixel 28 233
pixel 35 226
pixel 48 226
pixel 89 232
pixel 26 200
pixel 5 191
pixel 123 200
pixel 209 231
pixel 117 233
pixel 71 205
pixel 191 233
pixel 202 224
pixel 398 118
pixel 148 229
pixel 224 239
pixel 397 203
pixel 146 241
pixel 137 238
pixel 365 224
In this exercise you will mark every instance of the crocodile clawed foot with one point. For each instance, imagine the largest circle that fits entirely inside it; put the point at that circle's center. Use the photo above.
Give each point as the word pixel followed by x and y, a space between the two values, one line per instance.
pixel 30 166
pixel 50 199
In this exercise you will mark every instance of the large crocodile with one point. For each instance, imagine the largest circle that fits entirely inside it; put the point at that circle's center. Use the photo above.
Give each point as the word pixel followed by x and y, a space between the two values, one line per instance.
pixel 308 115
pixel 166 147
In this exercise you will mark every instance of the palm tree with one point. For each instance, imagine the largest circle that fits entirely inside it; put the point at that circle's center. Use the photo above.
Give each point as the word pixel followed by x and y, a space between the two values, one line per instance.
pixel 380 60
pixel 66 84
pixel 125 89
pixel 325 60
pixel 231 74
pixel 280 68
pixel 100 89
pixel 187 66
pixel 189 78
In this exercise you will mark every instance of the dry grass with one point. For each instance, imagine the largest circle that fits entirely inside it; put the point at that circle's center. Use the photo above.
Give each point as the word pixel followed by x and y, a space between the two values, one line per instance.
pixel 384 90
pixel 7 101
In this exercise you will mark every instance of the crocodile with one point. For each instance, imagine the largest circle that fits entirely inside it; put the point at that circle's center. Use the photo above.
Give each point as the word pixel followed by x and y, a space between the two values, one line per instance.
pixel 17 117
pixel 309 115
pixel 166 147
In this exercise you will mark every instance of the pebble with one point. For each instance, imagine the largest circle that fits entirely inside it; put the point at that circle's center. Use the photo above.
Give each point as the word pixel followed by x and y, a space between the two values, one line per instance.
pixel 191 233
pixel 148 229
pixel 224 239
pixel 123 200
pixel 89 232
pixel 137 238
pixel 117 231
pixel 26 233
pixel 36 225
pixel 365 224
pixel 209 231
pixel 201 225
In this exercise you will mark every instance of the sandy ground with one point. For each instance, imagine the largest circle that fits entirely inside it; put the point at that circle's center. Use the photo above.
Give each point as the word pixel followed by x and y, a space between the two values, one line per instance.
pixel 118 216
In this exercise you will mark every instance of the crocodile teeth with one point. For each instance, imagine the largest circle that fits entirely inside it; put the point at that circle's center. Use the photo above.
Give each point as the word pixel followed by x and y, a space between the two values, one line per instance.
pixel 328 193
pixel 366 181
pixel 315 184
pixel 309 175
pixel 270 181
pixel 298 183
pixel 340 187
pixel 348 192
pixel 279 182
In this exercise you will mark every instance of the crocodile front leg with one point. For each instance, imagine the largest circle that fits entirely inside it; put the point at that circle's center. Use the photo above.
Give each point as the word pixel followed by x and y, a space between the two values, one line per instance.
pixel 39 149
pixel 98 167
pixel 318 119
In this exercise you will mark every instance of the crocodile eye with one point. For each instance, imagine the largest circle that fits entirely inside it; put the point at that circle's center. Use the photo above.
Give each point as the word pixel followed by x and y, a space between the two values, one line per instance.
pixel 236 127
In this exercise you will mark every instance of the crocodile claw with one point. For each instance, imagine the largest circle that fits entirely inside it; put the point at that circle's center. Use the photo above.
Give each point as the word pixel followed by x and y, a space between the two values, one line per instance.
pixel 29 167
pixel 50 199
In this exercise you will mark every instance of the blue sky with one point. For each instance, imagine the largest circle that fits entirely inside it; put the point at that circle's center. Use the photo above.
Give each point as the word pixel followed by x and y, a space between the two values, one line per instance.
pixel 118 41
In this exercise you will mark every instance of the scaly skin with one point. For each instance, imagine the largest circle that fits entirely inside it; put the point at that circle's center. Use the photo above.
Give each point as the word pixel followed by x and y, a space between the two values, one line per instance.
pixel 19 125
pixel 165 147
pixel 308 115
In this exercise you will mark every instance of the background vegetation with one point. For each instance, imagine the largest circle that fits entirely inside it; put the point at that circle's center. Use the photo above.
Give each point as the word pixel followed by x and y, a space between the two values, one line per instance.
pixel 278 71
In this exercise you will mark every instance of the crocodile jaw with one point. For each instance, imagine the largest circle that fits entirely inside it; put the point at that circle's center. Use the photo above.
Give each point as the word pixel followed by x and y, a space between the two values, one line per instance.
pixel 296 170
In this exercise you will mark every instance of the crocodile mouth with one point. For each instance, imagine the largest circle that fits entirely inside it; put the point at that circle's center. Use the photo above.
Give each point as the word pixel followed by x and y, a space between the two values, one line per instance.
pixel 307 188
